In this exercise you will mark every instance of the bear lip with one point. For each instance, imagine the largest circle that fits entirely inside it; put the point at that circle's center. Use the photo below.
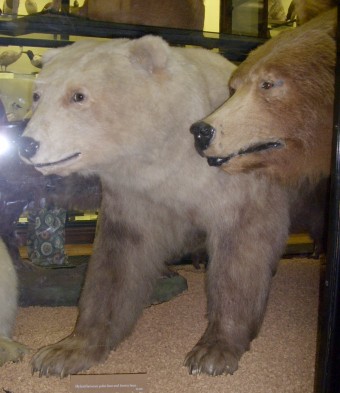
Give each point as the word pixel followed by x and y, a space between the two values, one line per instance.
pixel 62 161
pixel 218 161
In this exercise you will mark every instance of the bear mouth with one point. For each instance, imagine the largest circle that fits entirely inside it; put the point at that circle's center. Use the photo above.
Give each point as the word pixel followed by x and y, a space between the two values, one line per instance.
pixel 257 148
pixel 59 162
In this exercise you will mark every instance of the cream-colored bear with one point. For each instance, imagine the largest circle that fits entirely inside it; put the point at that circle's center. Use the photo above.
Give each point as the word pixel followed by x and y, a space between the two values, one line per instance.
pixel 122 110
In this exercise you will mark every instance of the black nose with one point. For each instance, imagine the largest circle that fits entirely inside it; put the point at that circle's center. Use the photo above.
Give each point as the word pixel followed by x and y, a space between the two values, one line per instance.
pixel 28 146
pixel 203 133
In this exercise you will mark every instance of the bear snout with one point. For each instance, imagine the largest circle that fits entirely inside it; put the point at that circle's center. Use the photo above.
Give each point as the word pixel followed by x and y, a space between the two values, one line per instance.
pixel 28 147
pixel 204 134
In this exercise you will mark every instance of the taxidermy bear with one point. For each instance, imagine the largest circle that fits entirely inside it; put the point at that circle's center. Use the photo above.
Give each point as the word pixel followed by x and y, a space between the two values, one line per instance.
pixel 160 199
pixel 278 122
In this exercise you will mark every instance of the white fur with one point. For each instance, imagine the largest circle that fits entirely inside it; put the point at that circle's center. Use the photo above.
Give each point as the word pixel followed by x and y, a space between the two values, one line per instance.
pixel 10 350
pixel 126 107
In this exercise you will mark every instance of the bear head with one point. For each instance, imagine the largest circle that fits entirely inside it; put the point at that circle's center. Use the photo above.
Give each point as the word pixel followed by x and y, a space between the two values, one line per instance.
pixel 113 105
pixel 278 119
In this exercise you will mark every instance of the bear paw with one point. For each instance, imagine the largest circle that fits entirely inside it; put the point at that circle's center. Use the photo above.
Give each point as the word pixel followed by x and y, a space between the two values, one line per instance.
pixel 69 356
pixel 11 351
pixel 212 359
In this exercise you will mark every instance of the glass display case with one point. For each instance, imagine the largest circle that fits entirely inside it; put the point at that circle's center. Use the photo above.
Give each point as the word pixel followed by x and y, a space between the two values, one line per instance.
pixel 30 28
pixel 232 27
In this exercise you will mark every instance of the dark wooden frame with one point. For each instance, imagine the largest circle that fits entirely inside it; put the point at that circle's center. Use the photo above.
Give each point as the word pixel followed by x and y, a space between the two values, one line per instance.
pixel 328 357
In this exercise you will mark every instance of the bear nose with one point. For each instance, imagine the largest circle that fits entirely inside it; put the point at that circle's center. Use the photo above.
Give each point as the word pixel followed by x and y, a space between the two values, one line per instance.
pixel 203 133
pixel 28 146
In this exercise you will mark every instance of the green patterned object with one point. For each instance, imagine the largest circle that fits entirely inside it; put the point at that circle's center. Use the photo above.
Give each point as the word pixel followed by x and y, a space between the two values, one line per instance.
pixel 46 237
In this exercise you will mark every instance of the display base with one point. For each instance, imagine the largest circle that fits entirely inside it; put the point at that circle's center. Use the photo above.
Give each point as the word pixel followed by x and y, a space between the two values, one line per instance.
pixel 52 287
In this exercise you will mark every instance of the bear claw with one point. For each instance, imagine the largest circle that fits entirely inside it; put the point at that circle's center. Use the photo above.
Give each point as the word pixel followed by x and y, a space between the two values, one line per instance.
pixel 11 351
pixel 211 359
pixel 66 357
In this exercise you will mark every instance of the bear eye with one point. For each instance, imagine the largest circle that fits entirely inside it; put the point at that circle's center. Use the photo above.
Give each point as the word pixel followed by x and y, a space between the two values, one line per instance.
pixel 267 85
pixel 36 97
pixel 78 97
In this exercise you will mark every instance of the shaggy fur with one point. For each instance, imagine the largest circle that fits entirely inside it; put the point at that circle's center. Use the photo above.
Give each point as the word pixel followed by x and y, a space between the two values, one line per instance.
pixel 129 124
pixel 292 74
pixel 282 94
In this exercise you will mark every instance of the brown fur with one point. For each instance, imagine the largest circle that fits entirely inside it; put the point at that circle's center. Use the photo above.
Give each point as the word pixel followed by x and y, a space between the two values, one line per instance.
pixel 296 111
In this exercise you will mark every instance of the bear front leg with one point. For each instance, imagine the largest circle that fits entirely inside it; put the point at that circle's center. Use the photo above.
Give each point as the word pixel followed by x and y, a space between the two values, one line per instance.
pixel 118 284
pixel 239 274
pixel 10 351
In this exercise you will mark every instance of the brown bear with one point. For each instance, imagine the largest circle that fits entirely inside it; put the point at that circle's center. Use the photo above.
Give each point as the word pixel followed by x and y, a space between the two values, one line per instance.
pixel 292 74
pixel 126 119
pixel 278 121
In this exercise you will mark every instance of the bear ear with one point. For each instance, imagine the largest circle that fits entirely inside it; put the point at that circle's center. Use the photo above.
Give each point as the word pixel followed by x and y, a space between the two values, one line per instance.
pixel 150 52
